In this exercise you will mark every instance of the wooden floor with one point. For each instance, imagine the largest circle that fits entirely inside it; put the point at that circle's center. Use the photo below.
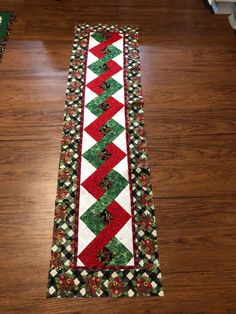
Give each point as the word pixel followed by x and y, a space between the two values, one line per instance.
pixel 189 84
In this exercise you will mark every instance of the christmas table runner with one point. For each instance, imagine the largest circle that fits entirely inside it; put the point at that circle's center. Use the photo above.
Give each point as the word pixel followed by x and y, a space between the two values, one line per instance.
pixel 6 19
pixel 104 238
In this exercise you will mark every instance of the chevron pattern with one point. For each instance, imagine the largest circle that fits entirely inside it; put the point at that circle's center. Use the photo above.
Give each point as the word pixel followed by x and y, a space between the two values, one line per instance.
pixel 101 219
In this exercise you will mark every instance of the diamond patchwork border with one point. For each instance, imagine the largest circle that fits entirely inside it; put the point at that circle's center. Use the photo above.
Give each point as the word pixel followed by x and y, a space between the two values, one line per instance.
pixel 64 279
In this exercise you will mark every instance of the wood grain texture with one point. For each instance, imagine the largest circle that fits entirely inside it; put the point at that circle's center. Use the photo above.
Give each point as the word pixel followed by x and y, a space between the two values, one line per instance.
pixel 189 84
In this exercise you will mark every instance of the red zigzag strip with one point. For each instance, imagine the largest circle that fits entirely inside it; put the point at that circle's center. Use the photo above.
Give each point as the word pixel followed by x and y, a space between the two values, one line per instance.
pixel 89 255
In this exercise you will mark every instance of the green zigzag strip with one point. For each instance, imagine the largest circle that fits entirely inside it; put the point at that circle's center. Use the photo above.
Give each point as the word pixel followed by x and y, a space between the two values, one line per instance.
pixel 91 217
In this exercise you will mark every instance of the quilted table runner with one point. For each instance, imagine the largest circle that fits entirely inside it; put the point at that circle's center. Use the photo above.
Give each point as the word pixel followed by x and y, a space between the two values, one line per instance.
pixel 6 19
pixel 104 238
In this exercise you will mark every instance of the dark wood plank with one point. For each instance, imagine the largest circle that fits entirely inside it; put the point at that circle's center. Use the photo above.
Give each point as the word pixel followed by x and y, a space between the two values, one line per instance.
pixel 189 76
